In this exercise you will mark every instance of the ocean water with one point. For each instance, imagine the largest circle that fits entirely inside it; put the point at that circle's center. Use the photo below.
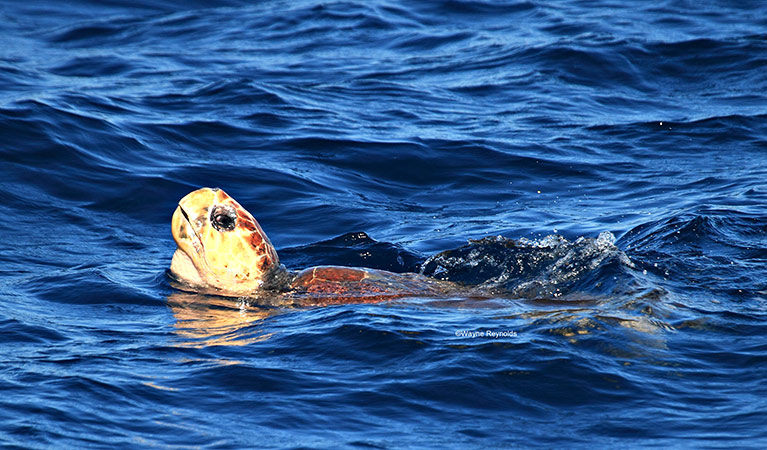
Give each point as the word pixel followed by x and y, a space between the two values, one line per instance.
pixel 607 160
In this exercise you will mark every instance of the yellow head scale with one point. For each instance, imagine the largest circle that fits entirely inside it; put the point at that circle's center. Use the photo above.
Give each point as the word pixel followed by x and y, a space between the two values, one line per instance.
pixel 220 244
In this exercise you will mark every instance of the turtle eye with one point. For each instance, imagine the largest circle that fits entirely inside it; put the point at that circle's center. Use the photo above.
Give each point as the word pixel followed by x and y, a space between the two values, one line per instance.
pixel 223 218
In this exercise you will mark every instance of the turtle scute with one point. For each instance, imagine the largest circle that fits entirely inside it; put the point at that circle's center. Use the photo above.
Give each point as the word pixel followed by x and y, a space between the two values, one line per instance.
pixel 362 284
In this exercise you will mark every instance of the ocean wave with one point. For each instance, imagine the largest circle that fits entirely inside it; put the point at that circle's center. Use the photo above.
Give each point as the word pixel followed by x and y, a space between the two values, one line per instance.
pixel 386 135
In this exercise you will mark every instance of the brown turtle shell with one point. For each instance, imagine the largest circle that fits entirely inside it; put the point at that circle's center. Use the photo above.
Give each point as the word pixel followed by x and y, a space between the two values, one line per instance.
pixel 326 285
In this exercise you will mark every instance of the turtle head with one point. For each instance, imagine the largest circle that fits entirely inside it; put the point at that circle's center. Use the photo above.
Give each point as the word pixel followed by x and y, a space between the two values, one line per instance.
pixel 220 244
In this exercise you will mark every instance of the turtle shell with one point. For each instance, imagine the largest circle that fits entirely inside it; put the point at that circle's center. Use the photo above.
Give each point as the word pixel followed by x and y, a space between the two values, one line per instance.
pixel 335 284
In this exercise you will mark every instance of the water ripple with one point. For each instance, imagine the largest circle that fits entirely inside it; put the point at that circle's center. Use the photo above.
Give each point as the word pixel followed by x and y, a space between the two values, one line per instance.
pixel 396 136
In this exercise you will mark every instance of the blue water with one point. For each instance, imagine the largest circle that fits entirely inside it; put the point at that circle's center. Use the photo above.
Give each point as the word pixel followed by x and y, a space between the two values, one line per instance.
pixel 424 125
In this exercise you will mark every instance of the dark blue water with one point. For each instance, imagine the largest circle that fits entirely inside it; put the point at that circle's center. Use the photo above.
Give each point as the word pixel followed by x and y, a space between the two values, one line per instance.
pixel 422 124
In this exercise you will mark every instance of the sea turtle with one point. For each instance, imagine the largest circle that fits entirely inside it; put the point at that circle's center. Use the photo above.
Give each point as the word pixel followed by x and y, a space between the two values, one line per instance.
pixel 223 250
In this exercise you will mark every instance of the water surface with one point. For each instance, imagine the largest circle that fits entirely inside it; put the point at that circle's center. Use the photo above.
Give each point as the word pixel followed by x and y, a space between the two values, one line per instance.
pixel 620 145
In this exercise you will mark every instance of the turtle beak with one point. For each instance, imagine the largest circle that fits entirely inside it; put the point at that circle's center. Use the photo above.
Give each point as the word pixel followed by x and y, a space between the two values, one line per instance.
pixel 184 233
pixel 189 252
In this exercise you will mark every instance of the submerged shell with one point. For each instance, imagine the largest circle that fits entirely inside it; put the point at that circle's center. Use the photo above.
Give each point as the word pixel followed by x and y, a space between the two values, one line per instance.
pixel 334 284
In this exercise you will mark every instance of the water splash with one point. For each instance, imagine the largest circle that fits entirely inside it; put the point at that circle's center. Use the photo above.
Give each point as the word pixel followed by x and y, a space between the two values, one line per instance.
pixel 549 267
